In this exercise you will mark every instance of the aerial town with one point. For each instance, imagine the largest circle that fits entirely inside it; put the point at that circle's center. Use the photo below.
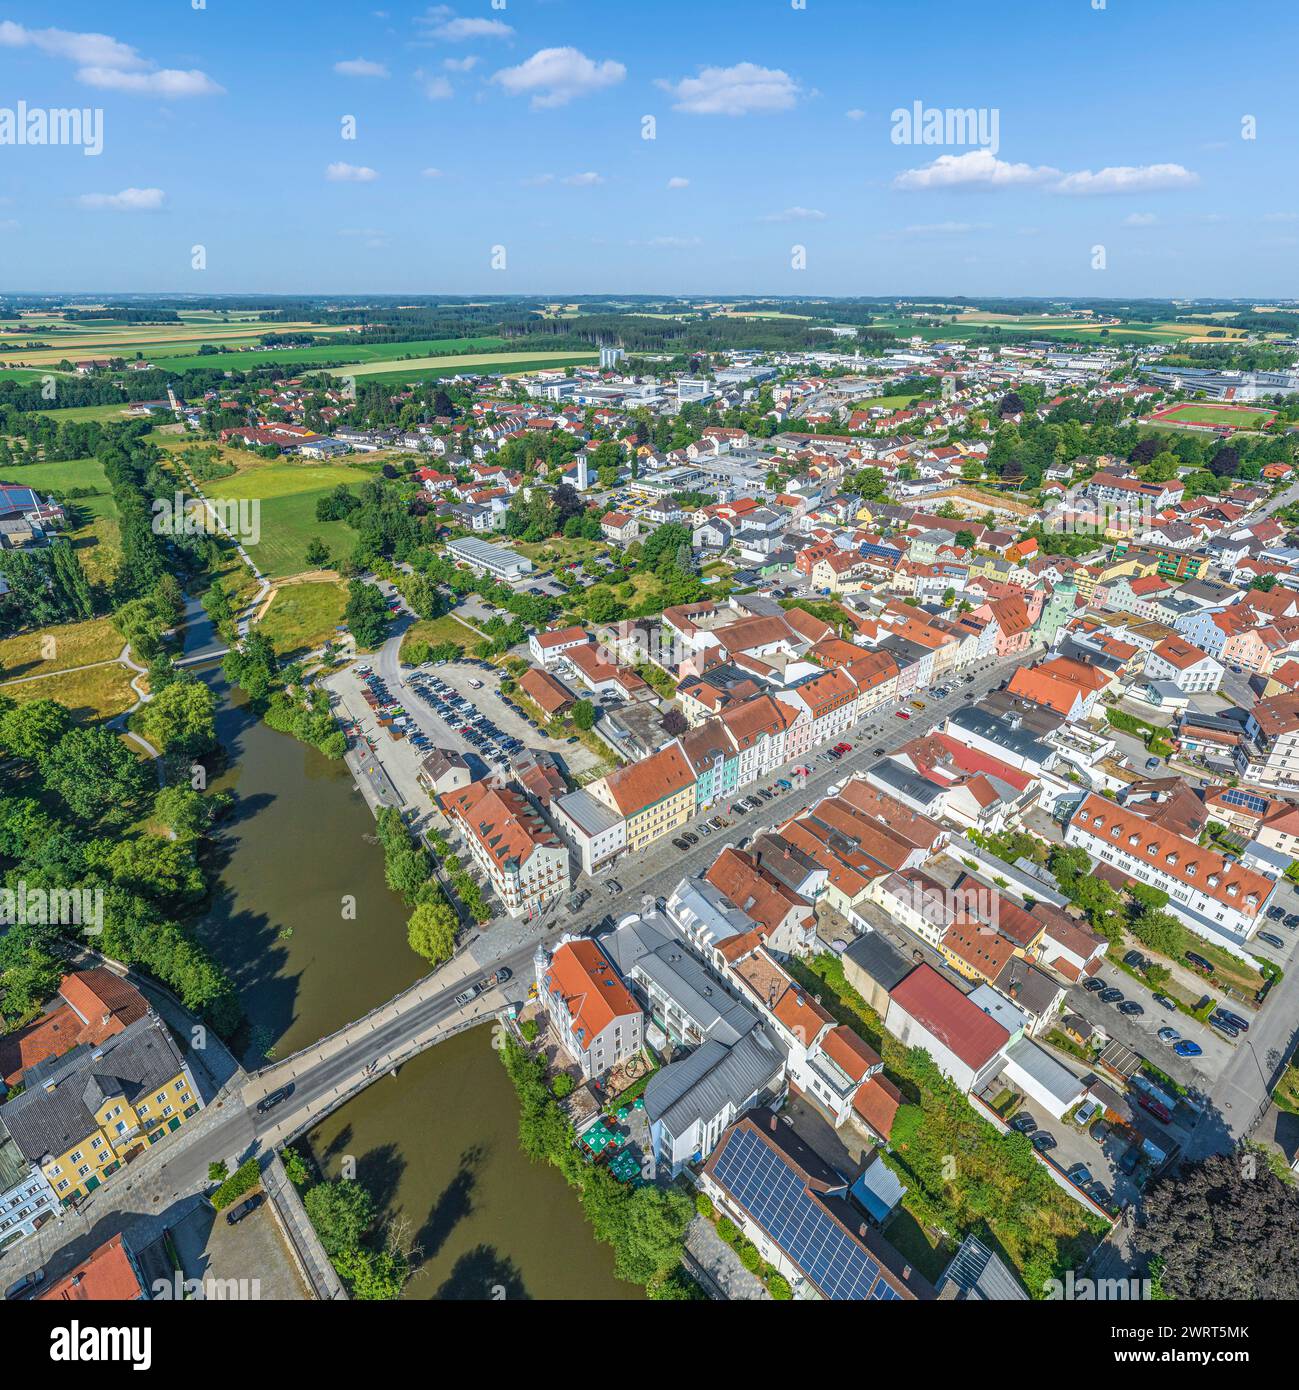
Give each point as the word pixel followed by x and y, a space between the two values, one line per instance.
pixel 605 797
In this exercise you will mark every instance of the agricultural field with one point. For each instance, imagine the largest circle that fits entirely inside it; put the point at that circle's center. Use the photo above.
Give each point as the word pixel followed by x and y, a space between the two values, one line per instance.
pixel 303 616
pixel 486 364
pixel 288 493
pixel 112 411
pixel 351 352
pixel 116 339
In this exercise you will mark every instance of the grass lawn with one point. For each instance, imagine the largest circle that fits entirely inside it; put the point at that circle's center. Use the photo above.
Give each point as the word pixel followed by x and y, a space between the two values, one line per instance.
pixel 97 693
pixel 87 472
pixel 893 402
pixel 302 616
pixel 288 493
pixel 1287 1090
pixel 437 630
pixel 59 648
pixel 488 364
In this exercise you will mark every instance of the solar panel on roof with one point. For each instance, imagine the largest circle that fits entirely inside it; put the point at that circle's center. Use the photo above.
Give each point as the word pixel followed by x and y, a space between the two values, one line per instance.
pixel 1249 801
pixel 776 1197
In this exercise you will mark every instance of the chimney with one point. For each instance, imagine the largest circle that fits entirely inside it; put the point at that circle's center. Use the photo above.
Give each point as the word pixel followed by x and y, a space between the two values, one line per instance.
pixel 773 1123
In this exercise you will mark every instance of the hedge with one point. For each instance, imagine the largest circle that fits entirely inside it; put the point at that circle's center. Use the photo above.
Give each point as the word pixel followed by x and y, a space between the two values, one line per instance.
pixel 242 1181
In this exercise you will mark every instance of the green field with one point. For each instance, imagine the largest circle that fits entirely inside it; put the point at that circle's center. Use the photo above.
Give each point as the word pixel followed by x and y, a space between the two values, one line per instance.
pixel 94 531
pixel 23 374
pixel 289 493
pixel 1240 418
pixel 302 616
pixel 346 351
pixel 85 412
pixel 430 368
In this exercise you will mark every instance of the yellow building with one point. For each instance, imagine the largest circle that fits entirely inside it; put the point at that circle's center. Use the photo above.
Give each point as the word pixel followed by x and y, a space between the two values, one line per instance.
pixel 655 796
pixel 87 1112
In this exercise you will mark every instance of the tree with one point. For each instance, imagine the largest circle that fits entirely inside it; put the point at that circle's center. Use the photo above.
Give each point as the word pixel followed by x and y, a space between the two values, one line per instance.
pixel 317 553
pixel 366 615
pixel 96 775
pixel 181 718
pixel 431 930
pixel 341 1212
pixel 584 715
pixel 30 730
pixel 1223 1228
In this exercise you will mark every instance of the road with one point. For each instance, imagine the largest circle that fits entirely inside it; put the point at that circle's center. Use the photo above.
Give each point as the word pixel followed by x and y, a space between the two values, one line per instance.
pixel 656 871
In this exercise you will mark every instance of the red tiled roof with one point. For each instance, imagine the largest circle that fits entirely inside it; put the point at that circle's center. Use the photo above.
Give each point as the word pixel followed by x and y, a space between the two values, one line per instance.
pixel 949 1016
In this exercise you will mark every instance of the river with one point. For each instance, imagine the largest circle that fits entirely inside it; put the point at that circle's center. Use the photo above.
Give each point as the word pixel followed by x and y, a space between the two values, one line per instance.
pixel 313 938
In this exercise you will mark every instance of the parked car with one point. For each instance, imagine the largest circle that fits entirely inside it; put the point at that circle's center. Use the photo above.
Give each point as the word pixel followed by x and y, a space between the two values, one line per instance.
pixel 1023 1124
pixel 1092 985
pixel 1234 1019
pixel 1097 1192
pixel 901 714
pixel 690 839
pixel 25 1287
pixel 1275 913
pixel 1228 1029
pixel 1292 921
pixel 1187 1048
pixel 245 1208
pixel 1169 1036
pixel 466 996
pixel 1198 963
pixel 1111 996
pixel 1080 1174
pixel 1274 941
pixel 1135 959
pixel 1131 1008
pixel 1154 1107
pixel 1165 1002
pixel 1128 1163
pixel 1042 1141
pixel 680 844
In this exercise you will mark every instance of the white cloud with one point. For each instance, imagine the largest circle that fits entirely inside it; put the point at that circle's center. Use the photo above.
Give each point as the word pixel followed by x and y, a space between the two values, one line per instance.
pixel 460 64
pixel 678 183
pixel 975 168
pixel 434 88
pixel 538 180
pixel 360 67
pixel 735 91
pixel 430 173
pixel 165 82
pixel 350 173
pixel 795 214
pixel 672 242
pixel 128 200
pixel 1143 178
pixel 554 76
pixel 587 180
pixel 443 23
pixel 1281 217
pixel 1140 219
pixel 856 114
pixel 107 63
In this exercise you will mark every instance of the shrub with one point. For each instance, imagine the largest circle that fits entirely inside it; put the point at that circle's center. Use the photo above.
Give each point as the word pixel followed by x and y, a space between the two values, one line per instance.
pixel 778 1288
pixel 530 1029
pixel 727 1229
pixel 749 1256
pixel 704 1205
pixel 217 1172
pixel 238 1184
pixel 562 1086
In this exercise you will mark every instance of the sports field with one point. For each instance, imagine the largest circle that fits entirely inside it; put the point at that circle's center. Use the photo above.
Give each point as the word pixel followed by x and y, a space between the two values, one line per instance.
pixel 485 364
pixel 1239 417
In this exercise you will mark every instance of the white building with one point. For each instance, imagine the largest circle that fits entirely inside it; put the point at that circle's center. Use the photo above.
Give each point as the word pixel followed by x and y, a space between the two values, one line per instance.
pixel 1184 665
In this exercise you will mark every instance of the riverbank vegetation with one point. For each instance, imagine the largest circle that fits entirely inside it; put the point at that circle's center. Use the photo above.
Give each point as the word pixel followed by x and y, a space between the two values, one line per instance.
pixel 645 1225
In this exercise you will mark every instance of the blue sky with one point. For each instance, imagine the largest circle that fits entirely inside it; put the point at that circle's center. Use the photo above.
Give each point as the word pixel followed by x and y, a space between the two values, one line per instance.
pixel 521 127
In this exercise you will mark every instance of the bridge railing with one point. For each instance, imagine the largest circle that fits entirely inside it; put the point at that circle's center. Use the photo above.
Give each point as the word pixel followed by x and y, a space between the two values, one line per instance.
pixel 328 1104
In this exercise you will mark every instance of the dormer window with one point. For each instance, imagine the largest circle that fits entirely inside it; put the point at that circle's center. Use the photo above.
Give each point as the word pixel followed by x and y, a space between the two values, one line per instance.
pixel 1213 880
pixel 1171 857
pixel 1134 839
pixel 1114 832
pixel 1233 889
pixel 1152 850
pixel 1192 870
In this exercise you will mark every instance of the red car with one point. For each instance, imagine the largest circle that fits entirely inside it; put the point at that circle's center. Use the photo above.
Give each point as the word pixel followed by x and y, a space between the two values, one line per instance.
pixel 901 714
pixel 1157 1108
